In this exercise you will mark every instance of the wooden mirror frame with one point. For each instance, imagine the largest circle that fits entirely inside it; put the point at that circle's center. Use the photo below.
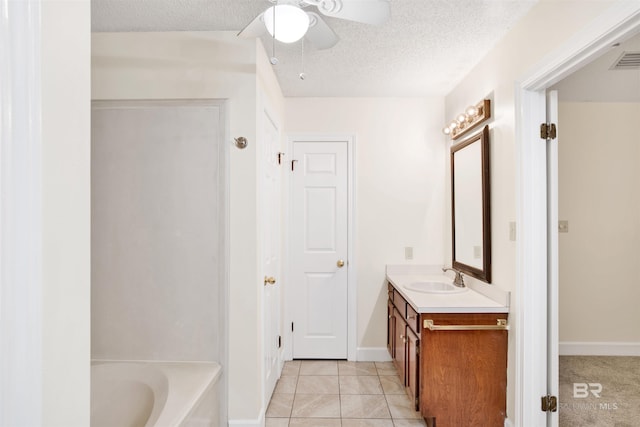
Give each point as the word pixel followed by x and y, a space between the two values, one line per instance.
pixel 483 274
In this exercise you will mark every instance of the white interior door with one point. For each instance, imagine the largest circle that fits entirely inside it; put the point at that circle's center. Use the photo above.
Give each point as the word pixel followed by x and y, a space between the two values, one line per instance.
pixel 319 250
pixel 552 257
pixel 270 211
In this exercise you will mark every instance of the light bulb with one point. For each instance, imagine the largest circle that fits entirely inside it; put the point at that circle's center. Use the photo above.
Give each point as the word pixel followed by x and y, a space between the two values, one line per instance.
pixel 291 22
pixel 446 130
pixel 453 125
pixel 472 111
pixel 462 118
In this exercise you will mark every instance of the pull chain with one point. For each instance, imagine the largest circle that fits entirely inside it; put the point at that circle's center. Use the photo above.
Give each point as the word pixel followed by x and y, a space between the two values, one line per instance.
pixel 274 59
pixel 302 75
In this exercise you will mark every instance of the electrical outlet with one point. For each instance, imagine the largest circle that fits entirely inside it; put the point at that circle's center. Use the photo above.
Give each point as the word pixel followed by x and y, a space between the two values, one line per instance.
pixel 563 226
pixel 408 252
pixel 512 231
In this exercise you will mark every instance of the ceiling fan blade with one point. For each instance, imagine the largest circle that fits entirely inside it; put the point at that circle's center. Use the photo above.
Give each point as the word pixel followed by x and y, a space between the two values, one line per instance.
pixel 374 12
pixel 320 34
pixel 255 28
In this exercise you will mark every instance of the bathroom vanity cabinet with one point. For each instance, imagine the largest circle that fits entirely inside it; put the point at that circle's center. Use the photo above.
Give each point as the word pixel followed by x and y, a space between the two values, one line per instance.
pixel 403 342
pixel 453 365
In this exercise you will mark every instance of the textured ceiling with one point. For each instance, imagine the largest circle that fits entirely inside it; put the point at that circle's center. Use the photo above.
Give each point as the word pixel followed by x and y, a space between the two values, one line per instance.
pixel 423 50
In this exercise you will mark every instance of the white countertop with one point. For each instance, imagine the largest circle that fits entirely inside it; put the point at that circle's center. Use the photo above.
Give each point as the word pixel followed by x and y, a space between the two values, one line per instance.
pixel 469 301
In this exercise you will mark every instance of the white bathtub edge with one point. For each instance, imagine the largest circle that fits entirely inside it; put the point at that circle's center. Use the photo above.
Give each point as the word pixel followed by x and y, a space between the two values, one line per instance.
pixel 188 384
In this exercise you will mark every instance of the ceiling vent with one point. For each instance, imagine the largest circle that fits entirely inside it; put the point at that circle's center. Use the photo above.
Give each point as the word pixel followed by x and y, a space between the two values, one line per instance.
pixel 627 61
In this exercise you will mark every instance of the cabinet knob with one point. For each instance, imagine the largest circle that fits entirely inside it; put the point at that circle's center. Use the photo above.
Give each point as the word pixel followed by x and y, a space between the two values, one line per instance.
pixel 269 280
pixel 340 263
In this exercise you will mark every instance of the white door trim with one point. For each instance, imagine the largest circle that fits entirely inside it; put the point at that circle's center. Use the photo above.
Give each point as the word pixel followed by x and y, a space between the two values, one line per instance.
pixel 351 209
pixel 21 215
pixel 267 113
pixel 620 21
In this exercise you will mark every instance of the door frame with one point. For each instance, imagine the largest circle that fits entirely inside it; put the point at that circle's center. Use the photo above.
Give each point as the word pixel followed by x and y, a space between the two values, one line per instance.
pixel 621 20
pixel 267 112
pixel 350 139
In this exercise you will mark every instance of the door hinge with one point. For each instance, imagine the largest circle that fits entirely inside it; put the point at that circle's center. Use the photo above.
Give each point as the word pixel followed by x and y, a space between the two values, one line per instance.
pixel 291 326
pixel 549 403
pixel 279 341
pixel 293 165
pixel 280 156
pixel 548 131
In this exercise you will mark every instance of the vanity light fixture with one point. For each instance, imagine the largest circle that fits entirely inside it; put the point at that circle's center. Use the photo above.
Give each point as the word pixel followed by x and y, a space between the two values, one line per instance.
pixel 472 116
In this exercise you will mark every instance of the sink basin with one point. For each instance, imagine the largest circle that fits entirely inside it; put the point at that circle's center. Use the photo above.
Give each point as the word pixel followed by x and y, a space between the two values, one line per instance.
pixel 435 288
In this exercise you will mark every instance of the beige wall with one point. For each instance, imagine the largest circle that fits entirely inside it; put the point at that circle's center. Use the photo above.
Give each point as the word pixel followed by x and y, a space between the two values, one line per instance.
pixel 66 212
pixel 200 65
pixel 549 24
pixel 598 191
pixel 400 156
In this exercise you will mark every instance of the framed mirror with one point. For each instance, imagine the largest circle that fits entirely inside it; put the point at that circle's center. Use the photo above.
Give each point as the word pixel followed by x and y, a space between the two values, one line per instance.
pixel 470 206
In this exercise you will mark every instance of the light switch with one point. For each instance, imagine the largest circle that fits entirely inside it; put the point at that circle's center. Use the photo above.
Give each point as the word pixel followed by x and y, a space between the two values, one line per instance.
pixel 563 226
pixel 408 252
pixel 512 231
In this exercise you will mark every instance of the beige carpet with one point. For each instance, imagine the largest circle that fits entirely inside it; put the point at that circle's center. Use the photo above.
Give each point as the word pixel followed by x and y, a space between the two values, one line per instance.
pixel 599 391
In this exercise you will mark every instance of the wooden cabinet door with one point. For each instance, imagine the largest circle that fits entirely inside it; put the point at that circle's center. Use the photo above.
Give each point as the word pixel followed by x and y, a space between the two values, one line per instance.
pixel 391 330
pixel 399 344
pixel 412 366
pixel 464 372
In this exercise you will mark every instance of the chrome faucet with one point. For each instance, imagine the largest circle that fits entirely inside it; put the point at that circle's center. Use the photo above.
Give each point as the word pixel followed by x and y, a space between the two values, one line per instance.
pixel 458 280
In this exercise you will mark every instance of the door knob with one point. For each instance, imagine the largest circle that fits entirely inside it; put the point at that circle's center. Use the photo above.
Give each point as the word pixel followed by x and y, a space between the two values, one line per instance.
pixel 269 280
pixel 340 263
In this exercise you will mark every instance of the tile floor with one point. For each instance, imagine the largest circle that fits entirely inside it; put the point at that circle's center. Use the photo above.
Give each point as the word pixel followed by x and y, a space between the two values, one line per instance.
pixel 340 394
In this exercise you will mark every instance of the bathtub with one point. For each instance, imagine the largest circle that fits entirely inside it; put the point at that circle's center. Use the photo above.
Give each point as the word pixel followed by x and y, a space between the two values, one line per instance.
pixel 163 394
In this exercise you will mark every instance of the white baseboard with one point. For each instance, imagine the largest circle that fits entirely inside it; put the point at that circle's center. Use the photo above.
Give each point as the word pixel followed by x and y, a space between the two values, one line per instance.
pixel 599 349
pixel 508 423
pixel 373 354
pixel 258 422
pixel 247 423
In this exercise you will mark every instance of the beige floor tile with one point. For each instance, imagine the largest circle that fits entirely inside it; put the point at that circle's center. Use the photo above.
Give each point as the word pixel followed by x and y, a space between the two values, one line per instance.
pixel 401 407
pixel 364 406
pixel 384 365
pixel 286 385
pixel 391 384
pixel 315 422
pixel 409 423
pixel 316 405
pixel 357 368
pixel 386 368
pixel 360 385
pixel 291 368
pixel 348 422
pixel 276 422
pixel 319 367
pixel 318 384
pixel 280 406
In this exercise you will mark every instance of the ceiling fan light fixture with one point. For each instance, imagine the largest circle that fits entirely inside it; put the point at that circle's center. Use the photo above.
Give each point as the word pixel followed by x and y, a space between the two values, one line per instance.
pixel 291 22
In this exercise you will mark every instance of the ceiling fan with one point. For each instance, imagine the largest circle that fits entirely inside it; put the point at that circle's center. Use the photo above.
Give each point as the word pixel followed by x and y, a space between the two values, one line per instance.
pixel 290 20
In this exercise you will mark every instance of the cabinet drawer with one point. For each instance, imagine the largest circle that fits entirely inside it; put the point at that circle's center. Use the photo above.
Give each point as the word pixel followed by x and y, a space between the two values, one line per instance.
pixel 400 304
pixel 413 319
